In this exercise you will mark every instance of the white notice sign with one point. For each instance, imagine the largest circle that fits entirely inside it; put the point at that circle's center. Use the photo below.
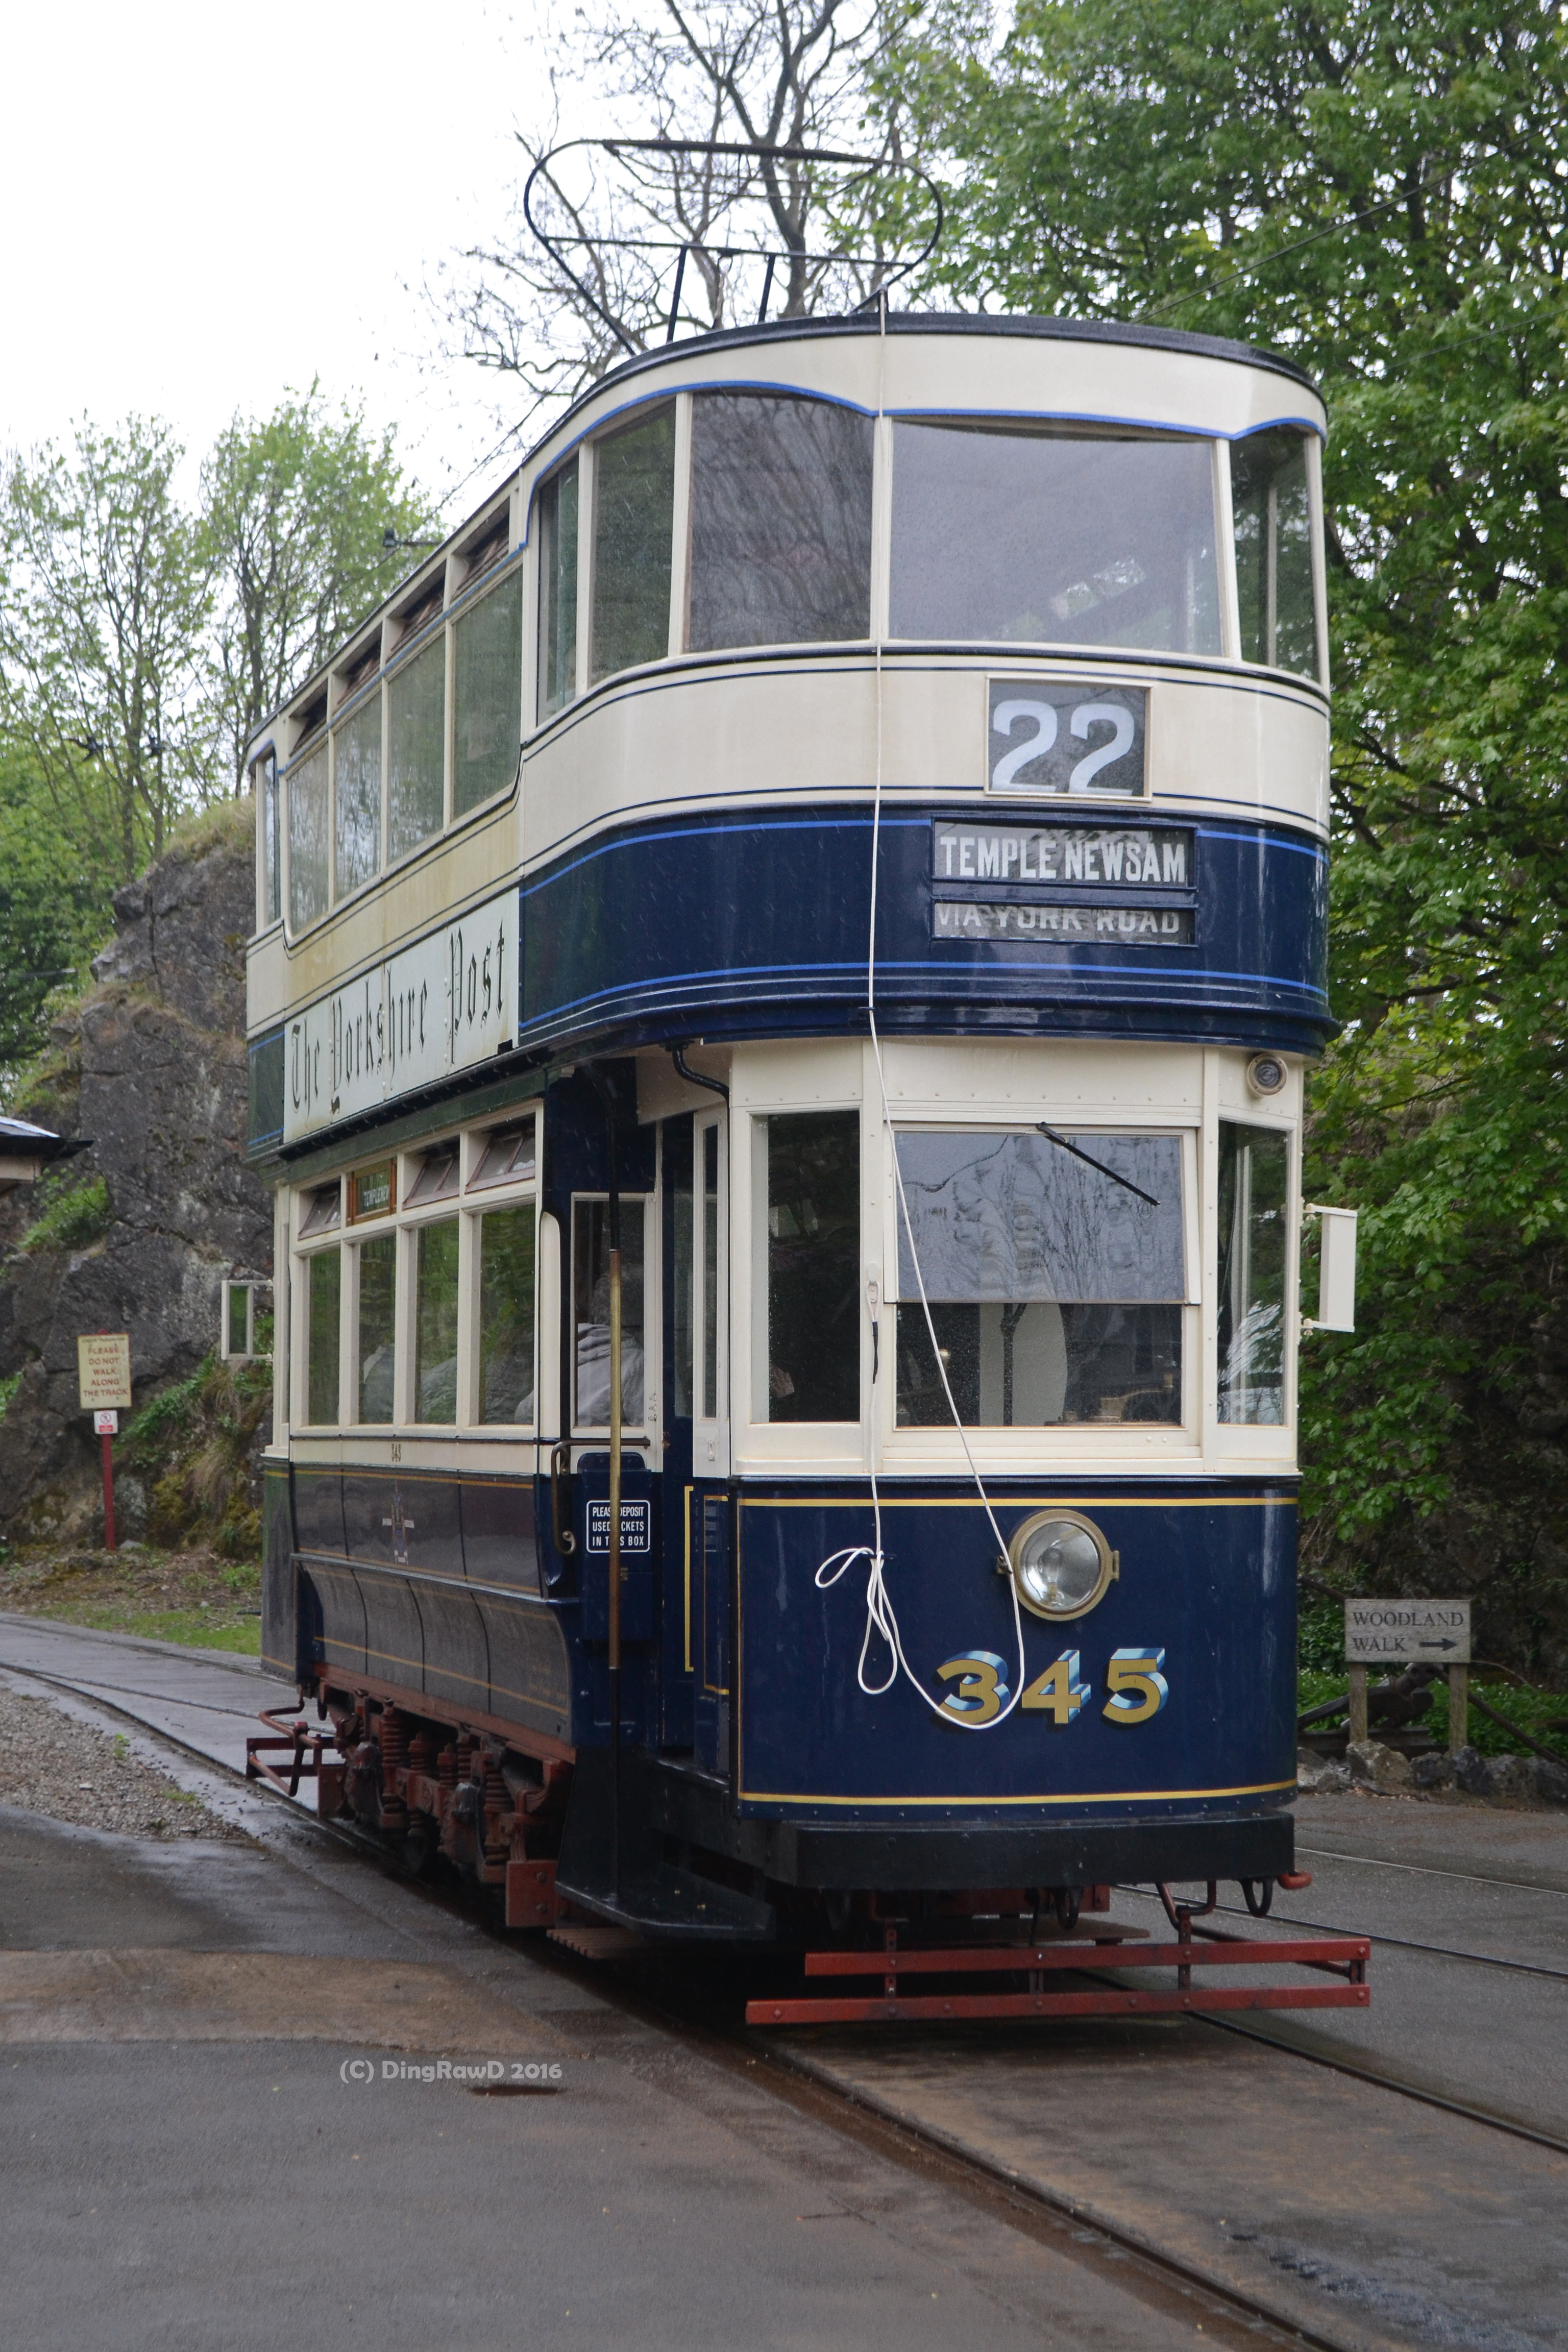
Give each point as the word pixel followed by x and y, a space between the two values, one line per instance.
pixel 448 1000
pixel 1394 1632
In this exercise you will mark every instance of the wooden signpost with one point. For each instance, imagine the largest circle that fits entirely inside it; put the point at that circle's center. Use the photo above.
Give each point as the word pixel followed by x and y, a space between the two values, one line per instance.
pixel 1410 1633
pixel 103 1379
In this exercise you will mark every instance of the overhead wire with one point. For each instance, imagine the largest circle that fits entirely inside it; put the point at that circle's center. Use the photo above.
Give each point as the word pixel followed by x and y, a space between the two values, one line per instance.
pixel 880 1614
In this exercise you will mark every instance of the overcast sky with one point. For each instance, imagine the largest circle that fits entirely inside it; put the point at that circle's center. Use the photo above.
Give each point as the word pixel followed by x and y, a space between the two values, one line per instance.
pixel 206 205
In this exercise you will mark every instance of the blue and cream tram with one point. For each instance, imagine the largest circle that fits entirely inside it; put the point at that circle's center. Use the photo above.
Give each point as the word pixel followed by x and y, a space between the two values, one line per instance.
pixel 869 1013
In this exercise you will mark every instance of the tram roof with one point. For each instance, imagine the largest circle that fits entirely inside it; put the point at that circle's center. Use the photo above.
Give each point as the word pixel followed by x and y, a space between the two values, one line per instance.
pixel 989 325
pixel 944 323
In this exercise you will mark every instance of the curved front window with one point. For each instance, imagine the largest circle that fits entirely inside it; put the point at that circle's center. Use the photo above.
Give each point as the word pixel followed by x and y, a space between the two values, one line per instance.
pixel 1271 498
pixel 1023 537
pixel 781 522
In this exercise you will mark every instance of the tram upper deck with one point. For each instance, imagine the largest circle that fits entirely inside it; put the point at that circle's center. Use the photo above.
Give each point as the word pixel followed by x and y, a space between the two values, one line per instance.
pixel 1045 598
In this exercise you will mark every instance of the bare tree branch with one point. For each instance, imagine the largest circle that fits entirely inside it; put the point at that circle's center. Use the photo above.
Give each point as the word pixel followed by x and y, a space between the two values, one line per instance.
pixel 770 73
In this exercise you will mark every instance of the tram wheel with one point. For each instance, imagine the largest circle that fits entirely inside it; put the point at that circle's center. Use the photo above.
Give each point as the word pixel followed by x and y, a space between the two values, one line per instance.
pixel 419 1845
pixel 1069 1902
pixel 1257 1894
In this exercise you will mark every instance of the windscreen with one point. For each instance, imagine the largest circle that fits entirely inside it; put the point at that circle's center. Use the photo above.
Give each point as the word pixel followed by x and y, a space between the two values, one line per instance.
pixel 1054 1267
pixel 1024 537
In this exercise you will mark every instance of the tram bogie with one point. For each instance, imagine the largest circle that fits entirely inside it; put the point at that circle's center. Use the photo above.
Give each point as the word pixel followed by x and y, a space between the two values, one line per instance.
pixel 788 1190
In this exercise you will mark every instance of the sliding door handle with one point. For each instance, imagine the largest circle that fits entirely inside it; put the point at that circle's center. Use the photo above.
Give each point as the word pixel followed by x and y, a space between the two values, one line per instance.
pixel 560 1531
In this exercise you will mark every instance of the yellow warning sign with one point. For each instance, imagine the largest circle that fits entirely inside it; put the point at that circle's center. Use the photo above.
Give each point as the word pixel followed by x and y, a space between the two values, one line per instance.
pixel 103 1370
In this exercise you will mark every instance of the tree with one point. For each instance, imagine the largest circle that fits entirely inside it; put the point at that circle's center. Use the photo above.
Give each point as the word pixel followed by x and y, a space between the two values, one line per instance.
pixel 55 907
pixel 104 601
pixel 772 73
pixel 296 516
pixel 1378 188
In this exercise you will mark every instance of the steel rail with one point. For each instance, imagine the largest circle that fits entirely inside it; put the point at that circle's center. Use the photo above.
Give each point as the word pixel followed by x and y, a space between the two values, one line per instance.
pixel 1405 1944
pixel 1386 2081
pixel 1431 1870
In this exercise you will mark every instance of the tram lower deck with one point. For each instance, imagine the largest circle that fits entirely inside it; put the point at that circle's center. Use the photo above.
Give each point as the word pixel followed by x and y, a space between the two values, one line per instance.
pixel 1041 1638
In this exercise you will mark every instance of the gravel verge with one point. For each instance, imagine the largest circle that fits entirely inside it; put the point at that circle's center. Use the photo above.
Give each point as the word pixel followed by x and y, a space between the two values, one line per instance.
pixel 50 1764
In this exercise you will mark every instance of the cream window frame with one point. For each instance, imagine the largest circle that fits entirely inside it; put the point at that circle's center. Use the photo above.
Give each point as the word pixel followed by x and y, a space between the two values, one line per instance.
pixel 405 1223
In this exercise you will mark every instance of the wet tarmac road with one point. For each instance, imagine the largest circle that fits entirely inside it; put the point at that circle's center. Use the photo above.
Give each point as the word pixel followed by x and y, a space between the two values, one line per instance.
pixel 168 2189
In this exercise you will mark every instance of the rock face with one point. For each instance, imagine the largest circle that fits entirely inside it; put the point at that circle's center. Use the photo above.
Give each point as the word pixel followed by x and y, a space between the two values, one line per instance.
pixel 150 1065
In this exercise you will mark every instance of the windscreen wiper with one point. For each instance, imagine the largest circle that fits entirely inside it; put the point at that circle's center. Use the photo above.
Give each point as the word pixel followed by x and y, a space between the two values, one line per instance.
pixel 1098 1165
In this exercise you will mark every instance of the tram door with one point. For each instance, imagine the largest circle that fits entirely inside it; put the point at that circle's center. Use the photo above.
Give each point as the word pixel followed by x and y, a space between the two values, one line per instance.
pixel 697 1457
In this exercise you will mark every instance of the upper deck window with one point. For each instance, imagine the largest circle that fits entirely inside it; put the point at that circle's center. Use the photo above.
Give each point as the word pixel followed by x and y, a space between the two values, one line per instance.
pixel 264 782
pixel 356 768
pixel 487 690
pixel 1055 1272
pixel 1022 536
pixel 781 522
pixel 416 711
pixel 308 839
pixel 557 515
pixel 1271 502
pixel 634 520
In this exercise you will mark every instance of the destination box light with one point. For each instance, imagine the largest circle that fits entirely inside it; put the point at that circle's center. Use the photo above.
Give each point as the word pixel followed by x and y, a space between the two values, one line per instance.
pixel 1399 1633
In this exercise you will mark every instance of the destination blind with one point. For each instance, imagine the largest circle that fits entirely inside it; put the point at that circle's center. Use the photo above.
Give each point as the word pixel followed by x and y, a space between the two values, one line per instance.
pixel 1062 886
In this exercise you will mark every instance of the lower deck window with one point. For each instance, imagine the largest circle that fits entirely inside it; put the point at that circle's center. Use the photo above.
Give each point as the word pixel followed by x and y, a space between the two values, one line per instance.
pixel 377 1326
pixel 1054 1268
pixel 436 1322
pixel 506 1314
pixel 1254 1180
pixel 591 1312
pixel 324 1285
pixel 808 1174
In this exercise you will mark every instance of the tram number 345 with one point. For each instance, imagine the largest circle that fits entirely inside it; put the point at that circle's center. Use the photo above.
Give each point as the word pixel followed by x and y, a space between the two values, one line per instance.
pixel 1136 1686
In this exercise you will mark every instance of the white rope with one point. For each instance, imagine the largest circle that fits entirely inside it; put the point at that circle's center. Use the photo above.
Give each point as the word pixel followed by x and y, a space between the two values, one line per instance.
pixel 880 1615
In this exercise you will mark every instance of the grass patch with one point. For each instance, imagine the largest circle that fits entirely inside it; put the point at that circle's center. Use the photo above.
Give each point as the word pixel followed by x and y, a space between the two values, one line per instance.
pixel 1532 1710
pixel 194 1597
pixel 199 1629
pixel 74 1216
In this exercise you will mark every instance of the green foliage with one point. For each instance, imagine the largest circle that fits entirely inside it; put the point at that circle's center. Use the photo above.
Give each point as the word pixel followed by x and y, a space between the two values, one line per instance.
pixel 8 1387
pixel 193 1442
pixel 295 510
pixel 153 1434
pixel 1320 1638
pixel 1541 1713
pixel 54 905
pixel 75 1214
pixel 1378 189
pixel 102 625
pixel 142 640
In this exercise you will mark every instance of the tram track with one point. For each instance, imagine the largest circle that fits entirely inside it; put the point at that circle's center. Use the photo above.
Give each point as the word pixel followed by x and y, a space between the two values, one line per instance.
pixel 1124 2257
pixel 1405 1944
pixel 1432 1870
pixel 1076 2231
pixel 1384 2079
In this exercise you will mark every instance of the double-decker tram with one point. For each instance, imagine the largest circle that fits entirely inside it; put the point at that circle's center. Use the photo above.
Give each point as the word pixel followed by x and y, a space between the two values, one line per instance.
pixel 786 954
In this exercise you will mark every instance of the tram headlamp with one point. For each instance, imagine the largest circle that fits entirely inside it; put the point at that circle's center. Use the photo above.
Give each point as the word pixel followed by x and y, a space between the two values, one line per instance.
pixel 1266 1073
pixel 1061 1564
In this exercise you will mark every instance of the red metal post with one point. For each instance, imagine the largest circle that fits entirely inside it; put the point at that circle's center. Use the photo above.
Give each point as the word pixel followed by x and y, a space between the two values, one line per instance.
pixel 108 1543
